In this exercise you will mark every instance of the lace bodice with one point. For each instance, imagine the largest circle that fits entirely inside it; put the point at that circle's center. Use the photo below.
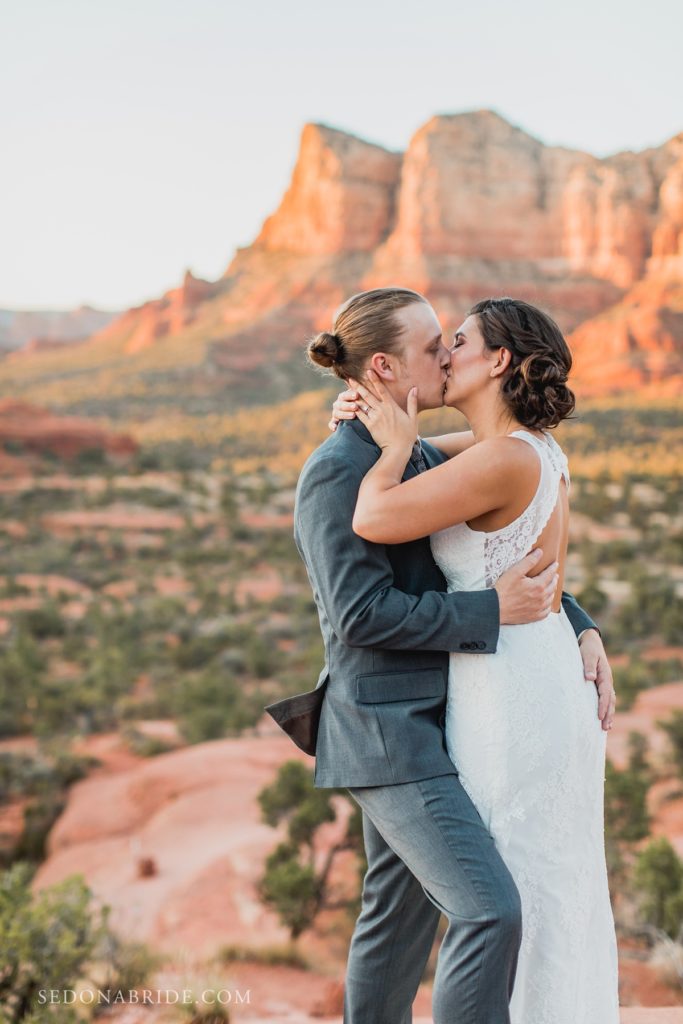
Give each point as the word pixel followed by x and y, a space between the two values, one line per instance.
pixel 473 559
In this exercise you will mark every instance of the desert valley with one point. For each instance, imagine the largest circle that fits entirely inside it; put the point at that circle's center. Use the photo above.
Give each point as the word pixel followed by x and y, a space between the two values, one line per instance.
pixel 152 600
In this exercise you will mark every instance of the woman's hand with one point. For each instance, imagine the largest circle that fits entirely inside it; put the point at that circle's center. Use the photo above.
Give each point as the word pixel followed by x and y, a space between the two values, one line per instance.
pixel 391 427
pixel 344 407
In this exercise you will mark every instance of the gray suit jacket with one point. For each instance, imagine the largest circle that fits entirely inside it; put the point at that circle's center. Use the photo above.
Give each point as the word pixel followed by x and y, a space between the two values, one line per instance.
pixel 376 715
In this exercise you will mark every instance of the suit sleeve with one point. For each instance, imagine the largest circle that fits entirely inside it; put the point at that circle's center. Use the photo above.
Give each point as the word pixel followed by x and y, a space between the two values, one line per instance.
pixel 353 579
pixel 579 619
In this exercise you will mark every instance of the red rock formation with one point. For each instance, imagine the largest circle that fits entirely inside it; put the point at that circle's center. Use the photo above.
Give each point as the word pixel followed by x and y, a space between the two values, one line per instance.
pixel 194 813
pixel 635 345
pixel 475 207
pixel 475 186
pixel 169 315
pixel 341 198
pixel 622 210
pixel 39 430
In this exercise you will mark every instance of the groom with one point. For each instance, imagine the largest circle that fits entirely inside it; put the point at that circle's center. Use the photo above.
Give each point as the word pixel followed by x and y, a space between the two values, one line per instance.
pixel 375 719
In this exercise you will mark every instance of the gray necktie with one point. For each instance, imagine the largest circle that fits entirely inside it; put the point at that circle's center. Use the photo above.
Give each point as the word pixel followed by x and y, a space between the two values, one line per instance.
pixel 417 457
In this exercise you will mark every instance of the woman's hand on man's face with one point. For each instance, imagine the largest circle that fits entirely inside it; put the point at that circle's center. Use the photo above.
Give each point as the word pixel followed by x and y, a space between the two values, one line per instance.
pixel 390 425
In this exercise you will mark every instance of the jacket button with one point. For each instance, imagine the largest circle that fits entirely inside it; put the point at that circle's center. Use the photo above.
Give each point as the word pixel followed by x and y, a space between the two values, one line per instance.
pixel 464 646
pixel 481 645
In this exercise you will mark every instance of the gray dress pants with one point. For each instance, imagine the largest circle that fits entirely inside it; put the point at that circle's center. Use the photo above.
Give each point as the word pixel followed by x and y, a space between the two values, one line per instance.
pixel 429 853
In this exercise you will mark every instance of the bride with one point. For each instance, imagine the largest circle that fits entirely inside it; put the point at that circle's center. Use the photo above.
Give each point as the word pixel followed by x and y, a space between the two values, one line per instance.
pixel 521 724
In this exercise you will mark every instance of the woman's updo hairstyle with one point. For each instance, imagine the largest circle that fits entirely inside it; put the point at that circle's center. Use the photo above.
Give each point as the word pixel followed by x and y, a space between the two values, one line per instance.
pixel 365 324
pixel 534 386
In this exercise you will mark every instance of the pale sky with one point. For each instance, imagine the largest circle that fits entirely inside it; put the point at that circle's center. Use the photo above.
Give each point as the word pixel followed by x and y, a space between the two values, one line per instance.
pixel 142 137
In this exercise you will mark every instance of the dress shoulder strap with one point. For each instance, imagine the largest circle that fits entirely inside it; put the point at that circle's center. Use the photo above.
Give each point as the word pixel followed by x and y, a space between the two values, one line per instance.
pixel 547 446
pixel 505 546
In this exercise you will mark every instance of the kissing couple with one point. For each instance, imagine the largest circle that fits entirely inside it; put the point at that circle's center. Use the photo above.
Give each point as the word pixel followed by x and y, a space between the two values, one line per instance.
pixel 466 697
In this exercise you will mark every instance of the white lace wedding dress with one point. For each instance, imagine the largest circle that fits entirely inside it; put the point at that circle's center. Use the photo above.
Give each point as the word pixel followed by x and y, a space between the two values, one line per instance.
pixel 523 732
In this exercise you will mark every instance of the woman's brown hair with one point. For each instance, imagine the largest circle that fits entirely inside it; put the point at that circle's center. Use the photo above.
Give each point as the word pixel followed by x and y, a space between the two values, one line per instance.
pixel 534 386
pixel 365 324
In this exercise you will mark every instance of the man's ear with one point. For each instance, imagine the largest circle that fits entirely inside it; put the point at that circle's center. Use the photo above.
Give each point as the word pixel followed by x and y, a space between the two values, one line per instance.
pixel 383 366
pixel 501 362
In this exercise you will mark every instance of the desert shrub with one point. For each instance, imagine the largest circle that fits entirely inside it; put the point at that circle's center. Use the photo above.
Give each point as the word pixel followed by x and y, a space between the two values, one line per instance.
pixel 653 608
pixel 205 1006
pixel 639 675
pixel 124 965
pixel 673 727
pixel 270 956
pixel 18 774
pixel 667 960
pixel 592 598
pixel 261 657
pixel 90 460
pixel 196 651
pixel 143 745
pixel 211 705
pixel 658 878
pixel 626 816
pixel 39 817
pixel 45 942
pixel 629 680
pixel 107 678
pixel 21 669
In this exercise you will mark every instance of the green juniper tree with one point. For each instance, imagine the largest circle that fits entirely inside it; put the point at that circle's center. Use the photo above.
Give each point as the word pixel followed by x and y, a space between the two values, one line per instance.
pixel 291 883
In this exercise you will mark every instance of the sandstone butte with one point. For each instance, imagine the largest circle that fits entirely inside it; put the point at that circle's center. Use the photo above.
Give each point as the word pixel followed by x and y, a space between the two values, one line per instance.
pixel 475 206
pixel 175 845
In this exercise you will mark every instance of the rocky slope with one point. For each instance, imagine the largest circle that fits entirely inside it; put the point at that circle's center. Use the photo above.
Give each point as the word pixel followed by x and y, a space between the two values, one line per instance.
pixel 474 206
pixel 175 845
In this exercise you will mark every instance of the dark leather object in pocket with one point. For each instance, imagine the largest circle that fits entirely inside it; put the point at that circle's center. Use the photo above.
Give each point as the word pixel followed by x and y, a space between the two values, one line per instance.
pixel 299 716
pixel 382 687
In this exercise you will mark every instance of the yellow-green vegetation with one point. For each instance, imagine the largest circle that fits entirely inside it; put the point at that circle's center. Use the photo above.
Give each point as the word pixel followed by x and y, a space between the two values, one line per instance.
pixel 616 438
pixel 193 603
pixel 270 956
pixel 177 592
pixel 658 879
pixel 56 941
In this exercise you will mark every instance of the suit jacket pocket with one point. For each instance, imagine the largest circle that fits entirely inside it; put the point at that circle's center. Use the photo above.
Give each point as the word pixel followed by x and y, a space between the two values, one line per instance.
pixel 382 687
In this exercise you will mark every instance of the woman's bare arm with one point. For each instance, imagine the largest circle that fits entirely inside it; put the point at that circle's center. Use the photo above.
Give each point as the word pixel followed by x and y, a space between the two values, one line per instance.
pixel 483 479
pixel 452 444
pixel 480 480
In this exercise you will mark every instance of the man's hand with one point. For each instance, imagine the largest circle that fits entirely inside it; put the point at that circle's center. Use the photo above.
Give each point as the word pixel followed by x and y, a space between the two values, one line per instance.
pixel 345 407
pixel 525 598
pixel 596 670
